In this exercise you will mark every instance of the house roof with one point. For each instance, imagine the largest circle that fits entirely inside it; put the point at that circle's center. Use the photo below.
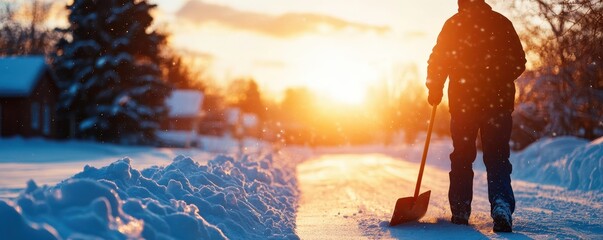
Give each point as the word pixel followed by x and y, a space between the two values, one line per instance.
pixel 19 75
pixel 185 103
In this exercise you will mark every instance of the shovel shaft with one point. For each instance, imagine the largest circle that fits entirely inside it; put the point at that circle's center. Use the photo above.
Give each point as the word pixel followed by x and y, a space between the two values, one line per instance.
pixel 425 149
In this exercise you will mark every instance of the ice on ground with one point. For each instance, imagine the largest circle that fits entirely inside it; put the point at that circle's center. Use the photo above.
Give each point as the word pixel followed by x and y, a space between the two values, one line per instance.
pixel 252 197
pixel 565 161
pixel 351 196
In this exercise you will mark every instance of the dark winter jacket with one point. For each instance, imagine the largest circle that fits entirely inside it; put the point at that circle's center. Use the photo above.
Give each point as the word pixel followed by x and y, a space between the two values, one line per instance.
pixel 480 52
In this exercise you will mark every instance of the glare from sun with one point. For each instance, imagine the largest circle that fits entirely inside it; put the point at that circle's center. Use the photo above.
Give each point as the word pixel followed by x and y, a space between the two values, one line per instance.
pixel 338 76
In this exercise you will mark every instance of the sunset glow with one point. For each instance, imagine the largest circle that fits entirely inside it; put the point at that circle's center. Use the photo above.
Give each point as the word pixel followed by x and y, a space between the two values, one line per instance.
pixel 338 75
pixel 338 49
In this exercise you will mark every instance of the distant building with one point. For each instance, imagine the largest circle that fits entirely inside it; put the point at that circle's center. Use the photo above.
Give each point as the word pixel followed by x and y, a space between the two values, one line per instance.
pixel 213 123
pixel 185 110
pixel 28 97
pixel 241 124
pixel 184 116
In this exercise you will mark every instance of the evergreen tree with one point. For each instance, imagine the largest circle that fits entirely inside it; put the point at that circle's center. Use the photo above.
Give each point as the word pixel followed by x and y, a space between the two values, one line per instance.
pixel 108 67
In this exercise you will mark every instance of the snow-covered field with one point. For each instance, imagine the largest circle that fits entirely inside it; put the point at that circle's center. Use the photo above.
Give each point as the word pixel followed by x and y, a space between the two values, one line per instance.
pixel 49 162
pixel 341 193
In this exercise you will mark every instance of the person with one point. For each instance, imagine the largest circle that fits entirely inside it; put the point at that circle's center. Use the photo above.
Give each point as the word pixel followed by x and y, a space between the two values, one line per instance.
pixel 479 51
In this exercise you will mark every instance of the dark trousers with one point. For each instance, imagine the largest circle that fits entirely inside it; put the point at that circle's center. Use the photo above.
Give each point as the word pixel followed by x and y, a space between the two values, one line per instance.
pixel 495 132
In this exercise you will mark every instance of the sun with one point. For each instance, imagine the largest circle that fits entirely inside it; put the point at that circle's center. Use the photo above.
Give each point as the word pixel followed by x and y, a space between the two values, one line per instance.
pixel 338 75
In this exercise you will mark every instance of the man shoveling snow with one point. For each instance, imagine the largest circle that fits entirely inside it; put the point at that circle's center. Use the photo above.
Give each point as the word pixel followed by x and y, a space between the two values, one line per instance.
pixel 479 50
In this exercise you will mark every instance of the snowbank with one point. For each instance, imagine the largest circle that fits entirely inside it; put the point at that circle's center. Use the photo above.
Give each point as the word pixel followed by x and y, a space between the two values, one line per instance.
pixel 565 161
pixel 250 198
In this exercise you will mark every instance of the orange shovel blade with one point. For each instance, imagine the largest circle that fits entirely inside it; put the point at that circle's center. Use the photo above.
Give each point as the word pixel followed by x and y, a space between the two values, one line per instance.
pixel 410 209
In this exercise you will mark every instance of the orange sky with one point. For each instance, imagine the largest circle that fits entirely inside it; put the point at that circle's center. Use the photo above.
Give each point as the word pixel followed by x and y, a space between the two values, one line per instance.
pixel 337 48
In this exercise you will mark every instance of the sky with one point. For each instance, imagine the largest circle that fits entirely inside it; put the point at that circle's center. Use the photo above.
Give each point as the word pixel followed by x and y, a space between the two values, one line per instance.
pixel 337 48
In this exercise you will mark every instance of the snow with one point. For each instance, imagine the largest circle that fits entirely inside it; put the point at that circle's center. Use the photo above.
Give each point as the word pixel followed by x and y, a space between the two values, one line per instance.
pixel 565 161
pixel 232 115
pixel 250 120
pixel 214 144
pixel 568 162
pixel 247 198
pixel 178 138
pixel 345 192
pixel 49 162
pixel 185 103
pixel 19 75
pixel 351 196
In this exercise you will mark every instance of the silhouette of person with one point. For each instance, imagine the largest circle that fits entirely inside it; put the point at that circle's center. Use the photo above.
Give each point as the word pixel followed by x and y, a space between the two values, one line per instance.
pixel 479 51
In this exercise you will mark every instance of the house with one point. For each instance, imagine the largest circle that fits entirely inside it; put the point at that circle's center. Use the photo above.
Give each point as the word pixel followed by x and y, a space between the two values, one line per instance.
pixel 28 97
pixel 185 111
pixel 241 124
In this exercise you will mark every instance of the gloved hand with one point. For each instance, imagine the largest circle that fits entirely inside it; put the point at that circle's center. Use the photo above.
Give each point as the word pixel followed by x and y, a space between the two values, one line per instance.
pixel 434 98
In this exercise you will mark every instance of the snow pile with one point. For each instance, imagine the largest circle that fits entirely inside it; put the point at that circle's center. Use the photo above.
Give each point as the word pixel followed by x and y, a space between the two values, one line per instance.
pixel 250 198
pixel 563 161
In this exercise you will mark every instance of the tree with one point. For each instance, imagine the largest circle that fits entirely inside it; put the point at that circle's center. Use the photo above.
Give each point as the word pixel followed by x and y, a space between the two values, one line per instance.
pixel 180 74
pixel 563 88
pixel 108 71
pixel 402 104
pixel 26 34
pixel 298 105
pixel 297 120
pixel 245 94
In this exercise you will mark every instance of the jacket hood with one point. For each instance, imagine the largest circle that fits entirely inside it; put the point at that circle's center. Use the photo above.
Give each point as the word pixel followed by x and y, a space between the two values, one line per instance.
pixel 468 5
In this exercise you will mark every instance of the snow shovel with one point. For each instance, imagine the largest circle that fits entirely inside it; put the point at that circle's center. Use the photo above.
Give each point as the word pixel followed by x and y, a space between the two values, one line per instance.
pixel 413 208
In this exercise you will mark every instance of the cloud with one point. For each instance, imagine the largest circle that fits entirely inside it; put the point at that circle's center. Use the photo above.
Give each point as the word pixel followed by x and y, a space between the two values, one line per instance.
pixel 415 35
pixel 285 25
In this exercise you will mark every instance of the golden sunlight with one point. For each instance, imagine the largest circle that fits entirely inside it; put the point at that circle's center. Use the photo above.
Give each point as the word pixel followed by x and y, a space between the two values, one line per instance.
pixel 338 75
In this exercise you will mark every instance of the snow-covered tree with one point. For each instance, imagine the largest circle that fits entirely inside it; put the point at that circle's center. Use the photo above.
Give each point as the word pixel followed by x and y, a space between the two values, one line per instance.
pixel 562 92
pixel 108 70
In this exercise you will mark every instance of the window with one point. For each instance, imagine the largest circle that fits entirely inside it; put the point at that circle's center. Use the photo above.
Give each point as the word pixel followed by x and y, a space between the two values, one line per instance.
pixel 35 116
pixel 46 127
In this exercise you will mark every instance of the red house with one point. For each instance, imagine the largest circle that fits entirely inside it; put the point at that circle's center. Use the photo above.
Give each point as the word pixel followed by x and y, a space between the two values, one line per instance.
pixel 28 97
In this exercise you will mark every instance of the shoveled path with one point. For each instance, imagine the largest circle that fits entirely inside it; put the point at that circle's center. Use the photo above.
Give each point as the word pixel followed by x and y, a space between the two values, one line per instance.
pixel 352 196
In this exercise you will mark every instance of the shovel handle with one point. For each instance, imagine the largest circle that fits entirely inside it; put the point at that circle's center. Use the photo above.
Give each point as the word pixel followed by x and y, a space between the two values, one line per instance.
pixel 424 159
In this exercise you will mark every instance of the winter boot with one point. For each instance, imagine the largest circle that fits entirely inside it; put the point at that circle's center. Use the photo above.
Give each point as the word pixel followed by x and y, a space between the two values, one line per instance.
pixel 501 214
pixel 459 220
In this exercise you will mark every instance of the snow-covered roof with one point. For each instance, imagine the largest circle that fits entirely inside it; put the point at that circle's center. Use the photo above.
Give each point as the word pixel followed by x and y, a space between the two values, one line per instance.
pixel 250 120
pixel 19 75
pixel 232 115
pixel 185 103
